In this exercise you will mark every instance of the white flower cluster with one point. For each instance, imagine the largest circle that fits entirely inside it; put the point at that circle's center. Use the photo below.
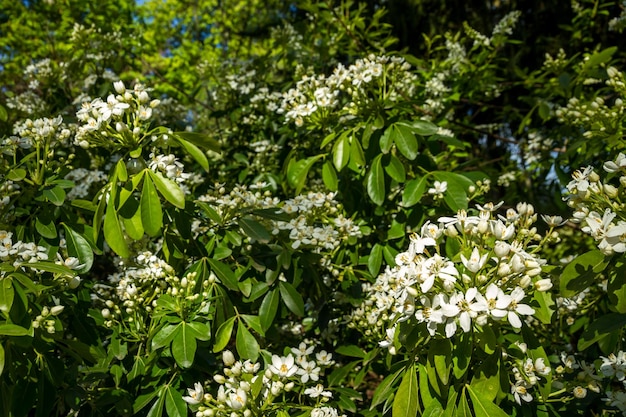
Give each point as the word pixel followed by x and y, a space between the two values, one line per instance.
pixel 27 102
pixel 170 166
pixel 136 288
pixel 305 229
pixel 527 372
pixel 46 320
pixel 20 252
pixel 597 207
pixel 247 390
pixel 618 23
pixel 119 118
pixel 83 180
pixel 534 148
pixel 42 131
pixel 346 90
pixel 489 281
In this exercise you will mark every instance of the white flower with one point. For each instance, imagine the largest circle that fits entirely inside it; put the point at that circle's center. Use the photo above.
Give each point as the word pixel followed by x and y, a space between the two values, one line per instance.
pixel 309 370
pixel 494 302
pixel 195 395
pixel 475 262
pixel 520 392
pixel 515 308
pixel 283 366
pixel 439 187
pixel 237 400
pixel 317 391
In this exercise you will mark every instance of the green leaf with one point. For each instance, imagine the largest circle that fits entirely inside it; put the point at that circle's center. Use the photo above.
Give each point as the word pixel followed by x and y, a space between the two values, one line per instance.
pixel 138 369
pixel 16 174
pixel 143 400
pixel 297 172
pixel 484 407
pixel 582 272
pixel 395 169
pixel 413 191
pixel 223 272
pixel 254 323
pixel 168 189
pixel 545 311
pixel 55 195
pixel 133 226
pixel 254 230
pixel 151 211
pixel 376 181
pixel 113 233
pixel 45 227
pixel 200 331
pixel 292 298
pixel 13 330
pixel 184 347
pixel 268 309
pixel 51 267
pixel 405 404
pixel 157 408
pixel 463 409
pixel 165 336
pixel 351 350
pixel 201 140
pixel 195 152
pixel 6 295
pixel 4 116
pixel 386 140
pixel 421 127
pixel 433 410
pixel 462 355
pixel 1 359
pixel 375 259
pixel 440 357
pixel 486 378
pixel 247 346
pixel 329 176
pixel 78 247
pixel 385 389
pixel 175 406
pixel 601 328
pixel 616 288
pixel 357 156
pixel 456 194
pixel 341 152
pixel 405 141
pixel 222 337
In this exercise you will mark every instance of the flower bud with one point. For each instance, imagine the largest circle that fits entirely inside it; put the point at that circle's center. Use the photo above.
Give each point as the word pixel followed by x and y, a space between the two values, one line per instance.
pixel 543 284
pixel 228 358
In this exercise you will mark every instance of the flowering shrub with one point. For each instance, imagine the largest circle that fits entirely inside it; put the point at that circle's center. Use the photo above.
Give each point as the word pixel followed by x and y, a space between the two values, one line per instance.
pixel 273 209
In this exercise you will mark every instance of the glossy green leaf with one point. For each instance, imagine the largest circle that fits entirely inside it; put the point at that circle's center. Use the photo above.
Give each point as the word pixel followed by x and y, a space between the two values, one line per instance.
pixel 200 331
pixel 374 261
pixel 45 227
pixel 113 233
pixel 405 141
pixel 375 180
pixel 254 323
pixel 413 191
pixel 13 330
pixel 168 189
pixel 224 273
pixel 175 406
pixel 52 267
pixel 546 302
pixel 440 357
pixel 133 226
pixel 582 272
pixel 405 403
pixel 292 298
pixel 55 195
pixel 157 408
pixel 255 230
pixel 329 176
pixel 78 247
pixel 7 293
pixel 223 335
pixel 247 346
pixel 4 116
pixel 341 152
pixel 151 210
pixel 201 140
pixel 601 328
pixel 1 359
pixel 484 407
pixel 16 174
pixel 385 389
pixel 421 127
pixel 184 347
pixel 386 140
pixel 269 308
pixel 143 400
pixel 165 336
pixel 297 172
pixel 351 350
pixel 395 169
pixel 195 152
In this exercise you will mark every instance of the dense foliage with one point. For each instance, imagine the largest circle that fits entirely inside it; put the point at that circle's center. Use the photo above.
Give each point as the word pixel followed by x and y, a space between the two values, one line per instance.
pixel 262 208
